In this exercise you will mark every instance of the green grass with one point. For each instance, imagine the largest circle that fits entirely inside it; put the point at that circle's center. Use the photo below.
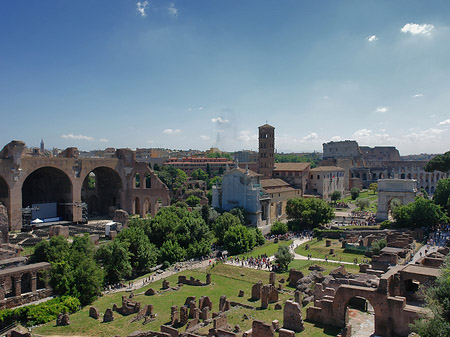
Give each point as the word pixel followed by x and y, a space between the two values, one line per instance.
pixel 318 250
pixel 27 251
pixel 269 248
pixel 226 280
pixel 363 194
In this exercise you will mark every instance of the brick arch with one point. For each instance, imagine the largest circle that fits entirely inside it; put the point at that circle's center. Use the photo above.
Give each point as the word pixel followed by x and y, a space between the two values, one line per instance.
pixel 343 296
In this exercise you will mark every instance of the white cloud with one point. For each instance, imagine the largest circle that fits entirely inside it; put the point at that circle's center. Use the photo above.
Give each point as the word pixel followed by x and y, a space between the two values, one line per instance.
pixel 372 38
pixel 326 97
pixel 311 137
pixel 246 136
pixel 141 8
pixel 382 109
pixel 171 131
pixel 416 29
pixel 201 108
pixel 204 137
pixel 368 137
pixel 150 141
pixel 431 134
pixel 336 138
pixel 219 120
pixel 173 11
pixel 447 121
pixel 77 137
pixel 103 140
pixel 432 116
pixel 417 96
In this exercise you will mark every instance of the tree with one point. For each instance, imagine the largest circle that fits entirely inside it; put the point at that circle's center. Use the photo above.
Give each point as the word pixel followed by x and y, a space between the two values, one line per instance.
pixel 240 213
pixel 441 196
pixel 171 252
pixel 363 203
pixel 308 213
pixel 421 212
pixel 238 239
pixel 278 228
pixel 354 192
pixel 199 174
pixel 378 245
pixel 193 200
pixel 283 257
pixel 143 253
pixel 439 163
pixel 336 195
pixel 437 323
pixel 257 234
pixel 115 259
pixel 222 224
pixel 373 187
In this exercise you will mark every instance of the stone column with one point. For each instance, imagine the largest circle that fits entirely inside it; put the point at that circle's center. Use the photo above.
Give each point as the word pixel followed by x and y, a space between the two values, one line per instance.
pixel 76 199
pixel 33 282
pixel 17 286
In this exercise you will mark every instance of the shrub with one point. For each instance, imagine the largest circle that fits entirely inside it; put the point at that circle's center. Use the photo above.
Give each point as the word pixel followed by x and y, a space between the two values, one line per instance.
pixel 354 193
pixel 278 228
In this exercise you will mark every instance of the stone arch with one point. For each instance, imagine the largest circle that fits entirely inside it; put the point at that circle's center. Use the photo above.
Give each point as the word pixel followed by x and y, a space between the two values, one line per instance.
pixel 402 176
pixel 421 177
pixel 25 283
pixel 48 185
pixel 415 176
pixel 381 176
pixel 352 175
pixel 374 176
pixel 41 279
pixel 107 190
pixel 136 206
pixel 10 286
pixel 4 192
pixel 364 176
pixel 358 175
pixel 432 189
pixel 427 189
pixel 147 207
pixel 432 177
pixel 409 176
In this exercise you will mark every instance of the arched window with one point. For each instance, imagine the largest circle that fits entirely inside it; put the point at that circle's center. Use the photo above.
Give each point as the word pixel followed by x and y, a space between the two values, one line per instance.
pixel 148 181
pixel 137 180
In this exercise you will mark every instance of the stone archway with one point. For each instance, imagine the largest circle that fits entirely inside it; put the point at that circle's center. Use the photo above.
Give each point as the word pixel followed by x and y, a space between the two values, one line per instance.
pixel 102 190
pixel 4 192
pixel 388 189
pixel 52 189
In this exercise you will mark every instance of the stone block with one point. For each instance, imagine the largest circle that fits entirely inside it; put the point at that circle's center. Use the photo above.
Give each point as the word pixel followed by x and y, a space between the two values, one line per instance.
pixel 272 278
pixel 256 291
pixel 174 318
pixel 62 320
pixel 184 315
pixel 93 312
pixel 220 322
pixel 208 278
pixel 165 284
pixel 241 293
pixel 150 292
pixel 204 301
pixel 108 316
pixel 286 333
pixel 294 276
pixel 205 314
pixel 261 329
pixel 276 324
pixel 169 330
pixel 292 316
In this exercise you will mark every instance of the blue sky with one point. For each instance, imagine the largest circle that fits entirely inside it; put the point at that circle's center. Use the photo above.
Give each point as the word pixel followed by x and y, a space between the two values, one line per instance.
pixel 201 73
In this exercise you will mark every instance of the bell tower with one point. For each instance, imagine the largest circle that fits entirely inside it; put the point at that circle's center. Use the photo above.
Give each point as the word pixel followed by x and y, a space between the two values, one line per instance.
pixel 266 157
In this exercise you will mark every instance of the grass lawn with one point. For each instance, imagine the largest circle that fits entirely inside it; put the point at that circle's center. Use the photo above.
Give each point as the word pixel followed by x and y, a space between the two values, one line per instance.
pixel 318 250
pixel 269 248
pixel 27 251
pixel 226 280
pixel 363 194
pixel 304 264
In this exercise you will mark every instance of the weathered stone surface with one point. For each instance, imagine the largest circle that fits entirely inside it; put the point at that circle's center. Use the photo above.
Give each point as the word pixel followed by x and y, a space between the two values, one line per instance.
pixel 225 333
pixel 169 330
pixel 237 328
pixel 4 225
pixel 222 301
pixel 339 272
pixel 121 216
pixel 307 300
pixel 298 296
pixel 174 318
pixel 241 293
pixel 184 315
pixel 191 324
pixel 208 278
pixel 327 243
pixel 93 312
pixel 194 313
pixel 278 306
pixel 292 316
pixel 108 316
pixel 276 324
pixel 256 290
pixel 62 320
pixel 205 314
pixel 286 333
pixel 128 307
pixel 261 329
pixel 273 294
pixel 165 284
pixel 220 322
pixel 265 296
pixel 204 301
pixel 272 278
pixel 150 292
pixel 294 276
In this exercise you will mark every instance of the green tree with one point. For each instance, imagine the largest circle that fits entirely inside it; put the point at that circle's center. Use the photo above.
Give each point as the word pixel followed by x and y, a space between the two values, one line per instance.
pixel 354 192
pixel 143 253
pixel 222 224
pixel 378 245
pixel 199 174
pixel 336 195
pixel 278 228
pixel 193 201
pixel 115 258
pixel 439 163
pixel 421 212
pixel 437 323
pixel 54 250
pixel 441 196
pixel 363 203
pixel 283 257
pixel 258 236
pixel 171 252
pixel 238 239
pixel 308 213
pixel 240 213
pixel 373 187
pixel 88 280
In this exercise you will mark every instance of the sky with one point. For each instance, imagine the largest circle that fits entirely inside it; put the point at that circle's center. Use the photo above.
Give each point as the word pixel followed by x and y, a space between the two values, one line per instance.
pixel 195 74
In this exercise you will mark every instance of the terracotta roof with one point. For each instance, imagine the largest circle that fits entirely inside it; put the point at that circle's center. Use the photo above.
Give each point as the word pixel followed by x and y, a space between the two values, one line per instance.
pixel 327 169
pixel 273 183
pixel 291 166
